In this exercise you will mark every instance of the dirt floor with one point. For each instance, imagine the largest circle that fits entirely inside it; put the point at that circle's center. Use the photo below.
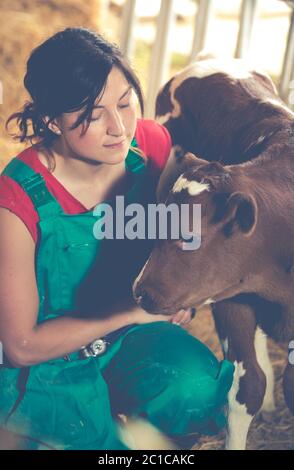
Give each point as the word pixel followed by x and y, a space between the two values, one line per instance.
pixel 273 432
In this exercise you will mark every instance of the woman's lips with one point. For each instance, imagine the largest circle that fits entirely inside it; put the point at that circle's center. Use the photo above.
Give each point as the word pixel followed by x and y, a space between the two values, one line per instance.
pixel 115 146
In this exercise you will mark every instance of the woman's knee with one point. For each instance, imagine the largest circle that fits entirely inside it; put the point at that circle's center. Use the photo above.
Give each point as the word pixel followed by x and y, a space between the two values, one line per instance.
pixel 191 400
pixel 170 377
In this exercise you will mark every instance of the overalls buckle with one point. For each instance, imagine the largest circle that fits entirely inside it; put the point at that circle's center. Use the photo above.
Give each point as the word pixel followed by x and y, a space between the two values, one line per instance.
pixel 97 347
pixel 36 188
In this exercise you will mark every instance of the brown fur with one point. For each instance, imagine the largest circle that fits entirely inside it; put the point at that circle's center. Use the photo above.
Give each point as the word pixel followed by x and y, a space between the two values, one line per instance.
pixel 246 259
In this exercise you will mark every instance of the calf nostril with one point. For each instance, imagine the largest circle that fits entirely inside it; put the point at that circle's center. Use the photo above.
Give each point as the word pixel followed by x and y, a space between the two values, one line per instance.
pixel 144 300
pixel 138 293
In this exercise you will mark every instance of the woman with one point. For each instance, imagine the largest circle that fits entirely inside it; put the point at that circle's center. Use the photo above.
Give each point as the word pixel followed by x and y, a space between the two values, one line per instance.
pixel 60 386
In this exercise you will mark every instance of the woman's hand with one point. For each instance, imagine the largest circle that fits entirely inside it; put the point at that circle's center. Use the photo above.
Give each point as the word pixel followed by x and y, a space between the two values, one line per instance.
pixel 182 317
pixel 141 316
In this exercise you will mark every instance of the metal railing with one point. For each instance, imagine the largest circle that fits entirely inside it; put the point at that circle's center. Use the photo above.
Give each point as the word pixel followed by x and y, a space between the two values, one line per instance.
pixel 161 53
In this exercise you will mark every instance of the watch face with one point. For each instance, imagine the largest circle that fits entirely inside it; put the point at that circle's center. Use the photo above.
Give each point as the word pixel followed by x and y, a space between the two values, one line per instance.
pixel 98 346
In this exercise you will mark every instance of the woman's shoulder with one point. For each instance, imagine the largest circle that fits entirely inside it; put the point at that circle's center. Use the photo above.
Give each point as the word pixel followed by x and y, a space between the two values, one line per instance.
pixel 154 140
pixel 15 199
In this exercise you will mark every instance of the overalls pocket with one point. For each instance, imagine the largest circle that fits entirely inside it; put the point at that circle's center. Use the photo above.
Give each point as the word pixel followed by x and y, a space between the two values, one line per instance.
pixel 65 406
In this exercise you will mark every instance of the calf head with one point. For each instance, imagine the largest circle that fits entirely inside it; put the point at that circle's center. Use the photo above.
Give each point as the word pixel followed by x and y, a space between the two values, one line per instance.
pixel 220 109
pixel 174 277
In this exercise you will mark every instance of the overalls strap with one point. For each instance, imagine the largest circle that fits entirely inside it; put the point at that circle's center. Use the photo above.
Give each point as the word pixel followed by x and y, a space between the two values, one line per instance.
pixel 134 161
pixel 35 187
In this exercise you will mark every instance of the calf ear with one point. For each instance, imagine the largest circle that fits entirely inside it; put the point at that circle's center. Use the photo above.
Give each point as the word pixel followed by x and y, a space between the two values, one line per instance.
pixel 190 161
pixel 163 101
pixel 240 214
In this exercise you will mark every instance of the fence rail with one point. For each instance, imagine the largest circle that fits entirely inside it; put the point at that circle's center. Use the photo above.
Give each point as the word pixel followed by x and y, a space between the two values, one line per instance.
pixel 161 53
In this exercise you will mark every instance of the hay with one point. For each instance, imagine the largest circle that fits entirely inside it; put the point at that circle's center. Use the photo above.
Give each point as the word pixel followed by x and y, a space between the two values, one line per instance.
pixel 23 25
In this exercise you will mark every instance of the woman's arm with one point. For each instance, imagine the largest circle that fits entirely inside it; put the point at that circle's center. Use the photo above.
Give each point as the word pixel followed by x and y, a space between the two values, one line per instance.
pixel 25 343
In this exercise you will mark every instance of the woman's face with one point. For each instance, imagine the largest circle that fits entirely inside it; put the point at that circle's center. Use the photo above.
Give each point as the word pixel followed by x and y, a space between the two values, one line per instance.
pixel 112 125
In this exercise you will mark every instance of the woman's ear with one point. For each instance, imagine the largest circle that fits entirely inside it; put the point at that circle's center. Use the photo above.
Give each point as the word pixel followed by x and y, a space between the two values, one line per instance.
pixel 53 125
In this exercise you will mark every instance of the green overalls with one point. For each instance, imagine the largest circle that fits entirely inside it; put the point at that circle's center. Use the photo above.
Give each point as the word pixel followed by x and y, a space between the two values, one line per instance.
pixel 157 371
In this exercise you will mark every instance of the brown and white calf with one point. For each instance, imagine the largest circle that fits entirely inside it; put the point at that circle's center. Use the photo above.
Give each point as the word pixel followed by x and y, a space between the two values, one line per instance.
pixel 231 116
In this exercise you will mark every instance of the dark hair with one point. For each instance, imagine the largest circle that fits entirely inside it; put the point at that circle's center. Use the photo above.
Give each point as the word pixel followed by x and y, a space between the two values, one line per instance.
pixel 66 73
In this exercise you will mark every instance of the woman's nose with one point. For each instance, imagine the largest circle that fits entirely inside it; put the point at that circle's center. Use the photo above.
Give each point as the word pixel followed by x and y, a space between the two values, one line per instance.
pixel 115 125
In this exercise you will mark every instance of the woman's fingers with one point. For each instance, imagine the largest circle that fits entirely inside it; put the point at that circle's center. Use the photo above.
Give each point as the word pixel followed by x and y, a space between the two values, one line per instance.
pixel 144 317
pixel 182 317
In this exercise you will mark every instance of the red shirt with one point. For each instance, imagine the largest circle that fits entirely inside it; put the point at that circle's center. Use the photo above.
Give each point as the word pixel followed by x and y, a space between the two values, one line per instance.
pixel 153 139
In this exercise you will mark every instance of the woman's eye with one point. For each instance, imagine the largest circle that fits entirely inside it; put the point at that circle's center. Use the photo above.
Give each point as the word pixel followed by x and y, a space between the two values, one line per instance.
pixel 95 118
pixel 124 105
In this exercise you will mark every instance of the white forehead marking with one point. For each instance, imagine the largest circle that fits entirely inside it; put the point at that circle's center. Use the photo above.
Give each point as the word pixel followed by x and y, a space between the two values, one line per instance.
pixel 279 104
pixel 235 69
pixel 193 187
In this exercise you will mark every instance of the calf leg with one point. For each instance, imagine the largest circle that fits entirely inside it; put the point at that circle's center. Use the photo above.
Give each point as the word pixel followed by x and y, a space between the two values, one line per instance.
pixel 288 385
pixel 236 326
pixel 264 361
